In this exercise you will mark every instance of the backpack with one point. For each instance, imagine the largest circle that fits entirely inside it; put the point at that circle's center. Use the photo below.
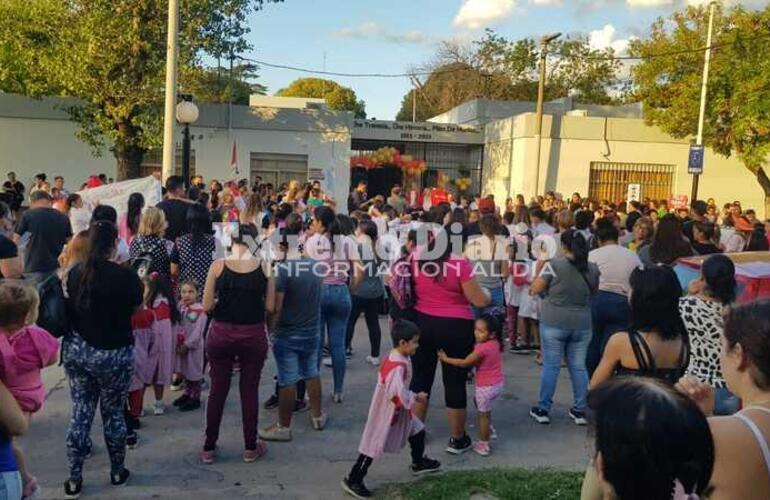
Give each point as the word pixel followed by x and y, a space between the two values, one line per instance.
pixel 52 313
pixel 402 292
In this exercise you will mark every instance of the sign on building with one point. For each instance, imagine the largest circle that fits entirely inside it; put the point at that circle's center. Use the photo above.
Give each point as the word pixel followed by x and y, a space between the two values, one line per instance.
pixel 634 192
pixel 678 202
pixel 695 162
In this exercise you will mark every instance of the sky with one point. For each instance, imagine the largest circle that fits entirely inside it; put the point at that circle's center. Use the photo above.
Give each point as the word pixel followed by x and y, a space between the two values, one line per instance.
pixel 394 36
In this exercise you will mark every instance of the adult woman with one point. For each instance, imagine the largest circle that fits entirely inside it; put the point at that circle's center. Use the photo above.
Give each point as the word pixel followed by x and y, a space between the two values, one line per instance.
pixel 702 312
pixel 668 243
pixel 568 283
pixel 75 252
pixel 742 441
pixel 341 264
pixel 445 290
pixel 193 253
pixel 239 292
pixel 368 296
pixel 128 225
pixel 664 451
pixel 564 221
pixel 488 253
pixel 739 236
pixel 655 345
pixel 149 242
pixel 98 356
pixel 13 423
pixel 252 213
pixel 703 238
pixel 641 235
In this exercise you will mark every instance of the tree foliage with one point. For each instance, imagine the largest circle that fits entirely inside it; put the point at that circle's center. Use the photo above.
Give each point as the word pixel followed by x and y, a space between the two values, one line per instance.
pixel 337 97
pixel 497 68
pixel 110 54
pixel 216 85
pixel 737 119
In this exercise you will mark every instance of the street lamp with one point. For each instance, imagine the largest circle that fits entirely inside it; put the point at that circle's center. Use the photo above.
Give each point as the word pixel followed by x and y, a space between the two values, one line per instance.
pixel 186 113
pixel 544 41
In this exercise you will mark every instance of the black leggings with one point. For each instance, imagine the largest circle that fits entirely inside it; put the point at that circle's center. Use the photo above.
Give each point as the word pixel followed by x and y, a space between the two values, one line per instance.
pixel 361 467
pixel 371 309
pixel 455 337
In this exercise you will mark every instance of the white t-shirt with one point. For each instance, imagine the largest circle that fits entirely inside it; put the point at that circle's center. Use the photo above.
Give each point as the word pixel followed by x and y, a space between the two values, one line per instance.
pixel 616 265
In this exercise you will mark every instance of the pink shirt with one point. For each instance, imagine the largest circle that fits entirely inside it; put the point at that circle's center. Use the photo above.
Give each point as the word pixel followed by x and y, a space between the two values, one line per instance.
pixel 443 296
pixel 22 357
pixel 490 371
pixel 336 266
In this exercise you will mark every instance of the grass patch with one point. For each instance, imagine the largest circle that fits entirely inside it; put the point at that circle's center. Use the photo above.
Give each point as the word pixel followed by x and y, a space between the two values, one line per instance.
pixel 508 484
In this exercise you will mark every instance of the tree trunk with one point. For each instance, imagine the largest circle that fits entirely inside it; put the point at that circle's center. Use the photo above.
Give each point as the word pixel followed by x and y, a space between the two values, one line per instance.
pixel 129 160
pixel 764 181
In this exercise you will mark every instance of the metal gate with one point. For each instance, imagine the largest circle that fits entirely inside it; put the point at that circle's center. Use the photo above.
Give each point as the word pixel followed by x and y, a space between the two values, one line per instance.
pixel 610 180
pixel 278 168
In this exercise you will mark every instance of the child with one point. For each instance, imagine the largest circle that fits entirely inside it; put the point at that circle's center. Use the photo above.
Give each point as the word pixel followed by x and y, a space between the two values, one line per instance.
pixel 154 345
pixel 390 423
pixel 189 347
pixel 488 359
pixel 25 350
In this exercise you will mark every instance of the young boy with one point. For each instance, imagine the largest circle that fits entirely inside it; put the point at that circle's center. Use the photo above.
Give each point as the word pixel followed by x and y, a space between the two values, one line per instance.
pixel 390 423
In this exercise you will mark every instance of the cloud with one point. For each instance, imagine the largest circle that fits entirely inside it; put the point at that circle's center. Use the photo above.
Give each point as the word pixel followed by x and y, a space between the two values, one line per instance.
pixel 606 37
pixel 371 30
pixel 546 2
pixel 477 14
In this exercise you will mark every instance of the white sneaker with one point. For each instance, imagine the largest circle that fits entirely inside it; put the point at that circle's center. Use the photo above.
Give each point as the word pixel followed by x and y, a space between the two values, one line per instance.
pixel 373 360
pixel 492 432
pixel 337 397
pixel 158 408
pixel 327 361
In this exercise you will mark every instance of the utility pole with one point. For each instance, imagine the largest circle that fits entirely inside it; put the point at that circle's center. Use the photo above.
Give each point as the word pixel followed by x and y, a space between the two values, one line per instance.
pixel 544 41
pixel 169 118
pixel 703 95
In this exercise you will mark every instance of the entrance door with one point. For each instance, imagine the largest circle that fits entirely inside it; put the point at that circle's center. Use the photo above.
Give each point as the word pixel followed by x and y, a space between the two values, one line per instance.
pixel 278 168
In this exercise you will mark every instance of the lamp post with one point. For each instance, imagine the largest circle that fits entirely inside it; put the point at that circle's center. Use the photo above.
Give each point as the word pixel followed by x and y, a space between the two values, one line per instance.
pixel 703 95
pixel 186 113
pixel 544 41
pixel 172 52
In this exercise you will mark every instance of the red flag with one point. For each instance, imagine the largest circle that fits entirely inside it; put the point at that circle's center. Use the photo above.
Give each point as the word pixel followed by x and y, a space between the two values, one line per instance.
pixel 234 159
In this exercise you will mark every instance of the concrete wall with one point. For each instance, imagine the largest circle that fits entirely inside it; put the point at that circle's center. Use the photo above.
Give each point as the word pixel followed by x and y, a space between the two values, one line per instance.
pixel 570 144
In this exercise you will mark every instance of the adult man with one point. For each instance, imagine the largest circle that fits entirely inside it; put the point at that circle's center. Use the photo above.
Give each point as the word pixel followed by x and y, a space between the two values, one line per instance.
pixel 539 225
pixel 397 201
pixel 175 207
pixel 15 190
pixel 698 211
pixel 357 198
pixel 295 323
pixel 609 307
pixel 58 183
pixel 41 233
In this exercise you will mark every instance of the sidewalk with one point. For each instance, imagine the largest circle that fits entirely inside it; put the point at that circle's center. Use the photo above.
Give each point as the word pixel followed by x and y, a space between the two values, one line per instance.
pixel 165 465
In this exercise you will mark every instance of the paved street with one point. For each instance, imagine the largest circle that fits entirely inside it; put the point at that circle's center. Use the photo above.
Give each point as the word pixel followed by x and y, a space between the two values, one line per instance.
pixel 165 464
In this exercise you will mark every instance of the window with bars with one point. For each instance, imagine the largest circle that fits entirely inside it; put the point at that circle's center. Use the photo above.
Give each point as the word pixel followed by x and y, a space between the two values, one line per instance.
pixel 610 180
pixel 153 162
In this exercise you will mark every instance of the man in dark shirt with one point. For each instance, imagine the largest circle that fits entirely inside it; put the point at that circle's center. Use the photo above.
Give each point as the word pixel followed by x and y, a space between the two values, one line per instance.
pixel 357 198
pixel 15 191
pixel 175 207
pixel 41 233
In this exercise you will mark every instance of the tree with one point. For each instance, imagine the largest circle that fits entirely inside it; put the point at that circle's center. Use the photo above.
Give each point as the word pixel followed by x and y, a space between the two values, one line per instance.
pixel 497 68
pixel 337 97
pixel 110 54
pixel 215 85
pixel 737 119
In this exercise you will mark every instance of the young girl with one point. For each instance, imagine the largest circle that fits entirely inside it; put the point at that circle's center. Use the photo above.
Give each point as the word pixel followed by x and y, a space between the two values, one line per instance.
pixel 488 359
pixel 154 345
pixel 390 423
pixel 25 350
pixel 189 347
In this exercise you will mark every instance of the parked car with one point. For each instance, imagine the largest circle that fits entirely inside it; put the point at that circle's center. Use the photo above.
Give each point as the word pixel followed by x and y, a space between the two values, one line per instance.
pixel 752 271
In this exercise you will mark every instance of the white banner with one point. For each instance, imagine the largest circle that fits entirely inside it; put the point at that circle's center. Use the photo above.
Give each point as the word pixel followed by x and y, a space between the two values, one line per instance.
pixel 116 194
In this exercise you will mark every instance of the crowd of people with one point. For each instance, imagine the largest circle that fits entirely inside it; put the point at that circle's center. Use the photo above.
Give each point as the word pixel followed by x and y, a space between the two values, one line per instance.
pixel 181 295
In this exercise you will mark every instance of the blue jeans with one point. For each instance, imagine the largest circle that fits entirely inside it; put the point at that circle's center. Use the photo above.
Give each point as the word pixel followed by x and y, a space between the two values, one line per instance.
pixel 296 357
pixel 556 342
pixel 335 311
pixel 610 313
pixel 496 305
pixel 10 486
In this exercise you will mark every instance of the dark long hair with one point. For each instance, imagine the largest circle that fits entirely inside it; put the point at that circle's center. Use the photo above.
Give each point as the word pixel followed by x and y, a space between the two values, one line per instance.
pixel 719 273
pixel 758 240
pixel 749 325
pixel 199 222
pixel 668 243
pixel 577 245
pixel 328 220
pixel 649 436
pixel 158 285
pixel 135 206
pixel 102 236
pixel 655 294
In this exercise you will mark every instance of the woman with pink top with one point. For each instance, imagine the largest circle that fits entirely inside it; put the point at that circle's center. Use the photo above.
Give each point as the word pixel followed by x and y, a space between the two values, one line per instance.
pixel 445 290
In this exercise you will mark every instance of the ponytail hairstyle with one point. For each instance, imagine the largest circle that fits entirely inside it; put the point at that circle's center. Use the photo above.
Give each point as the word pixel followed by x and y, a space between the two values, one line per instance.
pixel 494 328
pixel 719 274
pixel 578 246
pixel 102 236
pixel 135 206
pixel 159 286
pixel 328 220
pixel 199 221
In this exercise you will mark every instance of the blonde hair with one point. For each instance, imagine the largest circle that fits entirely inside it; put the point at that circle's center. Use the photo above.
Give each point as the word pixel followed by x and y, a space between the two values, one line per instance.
pixel 153 222
pixel 76 250
pixel 19 303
